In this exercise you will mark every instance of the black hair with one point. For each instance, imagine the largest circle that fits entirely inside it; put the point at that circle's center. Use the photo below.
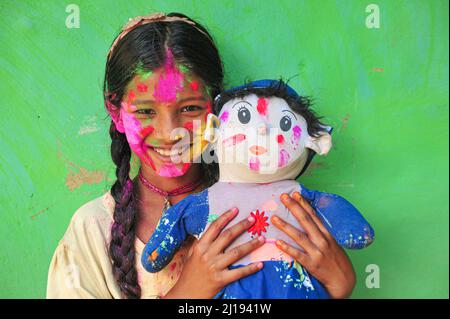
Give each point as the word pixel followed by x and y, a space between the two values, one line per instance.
pixel 144 48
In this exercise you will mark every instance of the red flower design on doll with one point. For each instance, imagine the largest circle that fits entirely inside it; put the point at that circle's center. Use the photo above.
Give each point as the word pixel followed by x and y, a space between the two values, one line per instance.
pixel 260 223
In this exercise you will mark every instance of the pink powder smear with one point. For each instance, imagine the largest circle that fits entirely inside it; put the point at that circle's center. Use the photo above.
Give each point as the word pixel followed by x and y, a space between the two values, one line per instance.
pixel 262 106
pixel 280 139
pixel 194 86
pixel 284 158
pixel 142 87
pixel 297 133
pixel 224 117
pixel 254 164
pixel 171 170
pixel 189 126
pixel 233 140
pixel 170 81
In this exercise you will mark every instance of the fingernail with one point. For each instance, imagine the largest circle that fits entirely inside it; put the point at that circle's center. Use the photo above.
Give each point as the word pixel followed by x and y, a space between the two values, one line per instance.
pixel 235 210
pixel 261 239
pixel 285 196
pixel 279 243
pixel 275 219
pixel 259 265
pixel 251 219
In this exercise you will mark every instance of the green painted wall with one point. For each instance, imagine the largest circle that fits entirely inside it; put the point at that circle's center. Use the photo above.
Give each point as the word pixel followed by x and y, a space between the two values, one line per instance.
pixel 384 90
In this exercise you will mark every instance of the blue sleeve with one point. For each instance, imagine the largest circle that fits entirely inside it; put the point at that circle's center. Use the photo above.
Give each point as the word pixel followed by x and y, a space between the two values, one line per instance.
pixel 344 222
pixel 187 217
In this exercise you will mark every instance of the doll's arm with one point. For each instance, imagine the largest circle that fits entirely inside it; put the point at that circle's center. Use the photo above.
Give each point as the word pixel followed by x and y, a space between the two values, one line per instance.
pixel 341 218
pixel 187 217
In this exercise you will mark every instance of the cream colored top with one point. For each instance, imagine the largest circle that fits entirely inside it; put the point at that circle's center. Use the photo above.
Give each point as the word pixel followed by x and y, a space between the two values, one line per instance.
pixel 81 267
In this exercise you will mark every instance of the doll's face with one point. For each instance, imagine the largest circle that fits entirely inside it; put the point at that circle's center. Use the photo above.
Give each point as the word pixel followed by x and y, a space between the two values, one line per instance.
pixel 263 133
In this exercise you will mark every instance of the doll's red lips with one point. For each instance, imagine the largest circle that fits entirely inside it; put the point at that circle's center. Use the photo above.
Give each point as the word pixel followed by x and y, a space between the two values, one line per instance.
pixel 233 140
pixel 258 150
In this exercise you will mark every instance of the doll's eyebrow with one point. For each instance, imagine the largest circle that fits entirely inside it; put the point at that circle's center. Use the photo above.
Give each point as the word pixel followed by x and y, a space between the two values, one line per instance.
pixel 290 112
pixel 241 102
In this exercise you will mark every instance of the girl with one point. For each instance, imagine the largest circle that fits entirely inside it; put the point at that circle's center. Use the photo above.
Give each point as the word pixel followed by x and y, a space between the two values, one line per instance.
pixel 169 68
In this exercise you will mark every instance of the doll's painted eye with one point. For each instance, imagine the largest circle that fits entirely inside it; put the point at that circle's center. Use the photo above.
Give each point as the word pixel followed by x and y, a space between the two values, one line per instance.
pixel 244 115
pixel 285 123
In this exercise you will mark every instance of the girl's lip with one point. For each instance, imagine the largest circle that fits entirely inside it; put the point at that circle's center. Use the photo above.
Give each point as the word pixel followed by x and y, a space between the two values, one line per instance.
pixel 165 159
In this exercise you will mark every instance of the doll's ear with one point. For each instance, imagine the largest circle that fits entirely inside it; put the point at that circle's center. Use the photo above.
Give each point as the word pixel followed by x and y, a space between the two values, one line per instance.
pixel 116 116
pixel 321 144
pixel 212 124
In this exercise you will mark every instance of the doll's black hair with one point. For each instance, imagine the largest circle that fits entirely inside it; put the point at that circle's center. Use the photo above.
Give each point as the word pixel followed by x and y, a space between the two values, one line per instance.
pixel 144 49
pixel 300 104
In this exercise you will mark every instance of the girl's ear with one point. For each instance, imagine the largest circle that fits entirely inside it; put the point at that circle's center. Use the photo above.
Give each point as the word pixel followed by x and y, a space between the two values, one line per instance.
pixel 116 116
pixel 212 124
pixel 321 144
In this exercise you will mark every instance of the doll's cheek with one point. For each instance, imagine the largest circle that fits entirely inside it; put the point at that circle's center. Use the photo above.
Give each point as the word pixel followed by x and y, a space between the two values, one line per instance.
pixel 296 135
pixel 283 158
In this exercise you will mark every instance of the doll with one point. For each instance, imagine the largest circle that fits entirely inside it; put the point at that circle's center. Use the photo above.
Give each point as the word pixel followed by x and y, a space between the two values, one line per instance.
pixel 264 139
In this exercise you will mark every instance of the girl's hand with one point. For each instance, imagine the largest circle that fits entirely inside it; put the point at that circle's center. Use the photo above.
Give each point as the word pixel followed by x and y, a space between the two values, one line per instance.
pixel 322 257
pixel 206 270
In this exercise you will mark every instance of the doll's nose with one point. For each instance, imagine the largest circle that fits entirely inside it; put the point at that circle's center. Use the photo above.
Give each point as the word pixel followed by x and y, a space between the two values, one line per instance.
pixel 262 129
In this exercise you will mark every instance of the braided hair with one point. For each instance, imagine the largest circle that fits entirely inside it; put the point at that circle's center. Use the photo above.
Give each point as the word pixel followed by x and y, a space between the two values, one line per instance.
pixel 144 48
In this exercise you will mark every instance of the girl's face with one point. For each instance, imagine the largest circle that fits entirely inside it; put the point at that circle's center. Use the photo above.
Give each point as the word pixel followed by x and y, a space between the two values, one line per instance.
pixel 163 114
pixel 265 132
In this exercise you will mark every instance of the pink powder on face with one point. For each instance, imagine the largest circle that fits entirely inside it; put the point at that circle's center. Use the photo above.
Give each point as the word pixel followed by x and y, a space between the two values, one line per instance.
pixel 171 170
pixel 297 134
pixel 208 107
pixel 262 106
pixel 280 139
pixel 131 96
pixel 147 131
pixel 133 130
pixel 254 164
pixel 189 126
pixel 142 87
pixel 194 86
pixel 224 117
pixel 283 159
pixel 170 81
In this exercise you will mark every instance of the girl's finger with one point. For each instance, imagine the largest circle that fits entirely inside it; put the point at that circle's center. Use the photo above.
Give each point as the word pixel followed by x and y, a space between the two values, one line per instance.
pixel 306 206
pixel 241 272
pixel 216 227
pixel 299 256
pixel 229 235
pixel 298 236
pixel 238 252
pixel 306 221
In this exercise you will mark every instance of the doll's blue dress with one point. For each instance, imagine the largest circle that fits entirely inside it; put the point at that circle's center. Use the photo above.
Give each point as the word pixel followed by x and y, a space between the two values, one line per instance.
pixel 281 277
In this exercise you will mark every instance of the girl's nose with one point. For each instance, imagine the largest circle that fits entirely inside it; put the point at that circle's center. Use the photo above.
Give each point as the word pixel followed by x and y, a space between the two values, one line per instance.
pixel 262 129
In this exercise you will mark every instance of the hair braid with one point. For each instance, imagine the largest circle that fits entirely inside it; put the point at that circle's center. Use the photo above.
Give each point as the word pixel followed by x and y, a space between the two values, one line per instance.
pixel 123 232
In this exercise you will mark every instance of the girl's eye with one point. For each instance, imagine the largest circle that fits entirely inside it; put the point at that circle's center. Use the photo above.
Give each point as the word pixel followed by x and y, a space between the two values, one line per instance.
pixel 285 123
pixel 244 115
pixel 191 108
pixel 146 112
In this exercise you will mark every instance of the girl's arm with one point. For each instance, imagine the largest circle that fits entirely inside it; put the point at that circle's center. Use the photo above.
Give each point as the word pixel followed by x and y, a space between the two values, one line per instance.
pixel 322 256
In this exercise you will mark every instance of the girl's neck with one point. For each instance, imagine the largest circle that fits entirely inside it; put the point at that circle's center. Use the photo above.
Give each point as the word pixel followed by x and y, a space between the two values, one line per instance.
pixel 193 174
